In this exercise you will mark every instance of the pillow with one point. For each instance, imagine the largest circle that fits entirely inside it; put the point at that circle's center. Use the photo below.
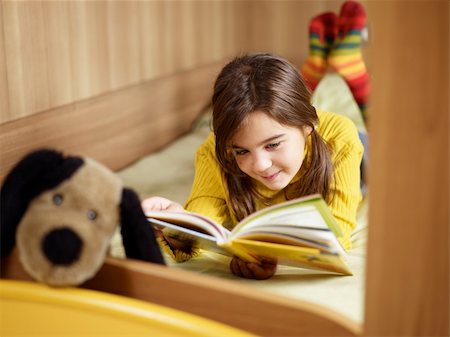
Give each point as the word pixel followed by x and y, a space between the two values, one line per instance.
pixel 333 94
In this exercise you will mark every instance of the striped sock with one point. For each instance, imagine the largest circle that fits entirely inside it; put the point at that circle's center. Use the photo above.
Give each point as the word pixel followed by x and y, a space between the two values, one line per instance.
pixel 322 32
pixel 346 57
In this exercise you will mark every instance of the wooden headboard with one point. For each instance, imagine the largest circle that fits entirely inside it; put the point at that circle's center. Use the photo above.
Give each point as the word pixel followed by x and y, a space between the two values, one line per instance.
pixel 116 128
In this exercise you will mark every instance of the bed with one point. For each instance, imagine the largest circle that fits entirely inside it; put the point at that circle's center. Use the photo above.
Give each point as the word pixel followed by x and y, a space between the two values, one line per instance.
pixel 204 286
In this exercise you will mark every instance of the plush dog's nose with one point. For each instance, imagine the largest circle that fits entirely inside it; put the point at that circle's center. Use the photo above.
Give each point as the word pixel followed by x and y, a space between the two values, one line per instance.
pixel 62 246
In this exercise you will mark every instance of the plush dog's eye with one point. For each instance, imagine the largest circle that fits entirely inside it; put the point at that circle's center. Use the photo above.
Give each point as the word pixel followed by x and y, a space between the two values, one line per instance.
pixel 57 199
pixel 92 215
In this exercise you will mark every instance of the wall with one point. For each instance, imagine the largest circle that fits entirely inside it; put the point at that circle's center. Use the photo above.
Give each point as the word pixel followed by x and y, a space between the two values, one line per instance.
pixel 54 53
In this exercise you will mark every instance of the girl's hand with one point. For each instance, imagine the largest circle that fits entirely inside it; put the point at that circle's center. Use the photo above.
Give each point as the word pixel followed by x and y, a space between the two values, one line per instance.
pixel 160 204
pixel 170 239
pixel 265 269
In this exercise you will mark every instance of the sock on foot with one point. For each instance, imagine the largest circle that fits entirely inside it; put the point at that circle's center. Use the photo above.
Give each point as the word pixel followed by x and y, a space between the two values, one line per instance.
pixel 346 56
pixel 322 32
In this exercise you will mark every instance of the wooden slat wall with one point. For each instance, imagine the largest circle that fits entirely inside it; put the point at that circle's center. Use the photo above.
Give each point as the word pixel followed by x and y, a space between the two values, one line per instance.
pixel 4 99
pixel 407 290
pixel 54 53
pixel 282 26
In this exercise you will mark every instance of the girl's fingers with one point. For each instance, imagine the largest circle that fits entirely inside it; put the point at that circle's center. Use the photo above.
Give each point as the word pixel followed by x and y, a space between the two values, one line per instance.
pixel 160 204
pixel 259 271
pixel 262 272
pixel 245 271
pixel 234 267
pixel 173 206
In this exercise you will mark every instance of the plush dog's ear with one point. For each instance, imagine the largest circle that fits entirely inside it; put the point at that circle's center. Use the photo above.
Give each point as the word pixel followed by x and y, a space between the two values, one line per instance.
pixel 137 233
pixel 38 171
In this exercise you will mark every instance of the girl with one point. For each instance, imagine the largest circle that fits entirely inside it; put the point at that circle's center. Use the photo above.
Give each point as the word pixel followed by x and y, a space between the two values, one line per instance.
pixel 268 145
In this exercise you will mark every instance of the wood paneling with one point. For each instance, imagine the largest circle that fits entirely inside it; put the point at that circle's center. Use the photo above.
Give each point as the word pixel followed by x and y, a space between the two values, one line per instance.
pixel 57 53
pixel 57 37
pixel 124 53
pixel 90 63
pixel 282 27
pixel 407 291
pixel 27 66
pixel 4 97
pixel 151 36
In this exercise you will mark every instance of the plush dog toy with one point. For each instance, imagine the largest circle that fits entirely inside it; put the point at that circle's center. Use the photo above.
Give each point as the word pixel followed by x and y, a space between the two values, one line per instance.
pixel 62 212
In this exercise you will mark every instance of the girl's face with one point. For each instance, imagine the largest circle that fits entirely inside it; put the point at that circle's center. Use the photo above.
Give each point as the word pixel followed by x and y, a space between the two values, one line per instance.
pixel 269 152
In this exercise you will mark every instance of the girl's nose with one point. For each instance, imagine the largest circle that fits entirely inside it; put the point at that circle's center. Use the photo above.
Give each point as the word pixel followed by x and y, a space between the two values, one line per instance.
pixel 261 162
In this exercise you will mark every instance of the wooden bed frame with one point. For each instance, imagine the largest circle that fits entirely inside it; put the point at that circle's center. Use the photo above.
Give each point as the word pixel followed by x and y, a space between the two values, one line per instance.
pixel 407 276
pixel 220 300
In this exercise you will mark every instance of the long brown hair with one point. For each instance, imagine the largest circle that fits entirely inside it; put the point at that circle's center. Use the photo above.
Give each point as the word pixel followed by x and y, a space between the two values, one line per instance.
pixel 268 83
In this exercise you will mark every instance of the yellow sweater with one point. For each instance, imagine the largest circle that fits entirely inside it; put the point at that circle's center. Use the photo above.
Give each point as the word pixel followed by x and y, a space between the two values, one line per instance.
pixel 208 195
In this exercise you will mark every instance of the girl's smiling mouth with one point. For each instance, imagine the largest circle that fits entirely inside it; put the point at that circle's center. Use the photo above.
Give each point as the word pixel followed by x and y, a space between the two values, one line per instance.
pixel 271 177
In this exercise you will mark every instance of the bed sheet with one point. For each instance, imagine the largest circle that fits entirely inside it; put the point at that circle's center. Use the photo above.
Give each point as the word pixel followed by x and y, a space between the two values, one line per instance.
pixel 170 172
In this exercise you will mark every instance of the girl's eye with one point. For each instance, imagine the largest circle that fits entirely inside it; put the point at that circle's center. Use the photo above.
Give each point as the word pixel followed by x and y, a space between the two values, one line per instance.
pixel 92 215
pixel 57 199
pixel 273 145
pixel 240 152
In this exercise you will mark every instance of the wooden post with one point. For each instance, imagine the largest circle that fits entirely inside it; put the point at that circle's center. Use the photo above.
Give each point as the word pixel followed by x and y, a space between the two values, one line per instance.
pixel 407 292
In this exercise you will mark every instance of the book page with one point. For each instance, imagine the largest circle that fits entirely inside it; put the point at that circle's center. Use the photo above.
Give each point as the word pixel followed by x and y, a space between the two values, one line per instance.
pixel 273 235
pixel 192 237
pixel 191 221
pixel 307 217
pixel 292 235
pixel 310 211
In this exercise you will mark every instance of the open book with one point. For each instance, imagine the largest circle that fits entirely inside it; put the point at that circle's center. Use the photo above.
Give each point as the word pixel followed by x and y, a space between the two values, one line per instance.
pixel 300 232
